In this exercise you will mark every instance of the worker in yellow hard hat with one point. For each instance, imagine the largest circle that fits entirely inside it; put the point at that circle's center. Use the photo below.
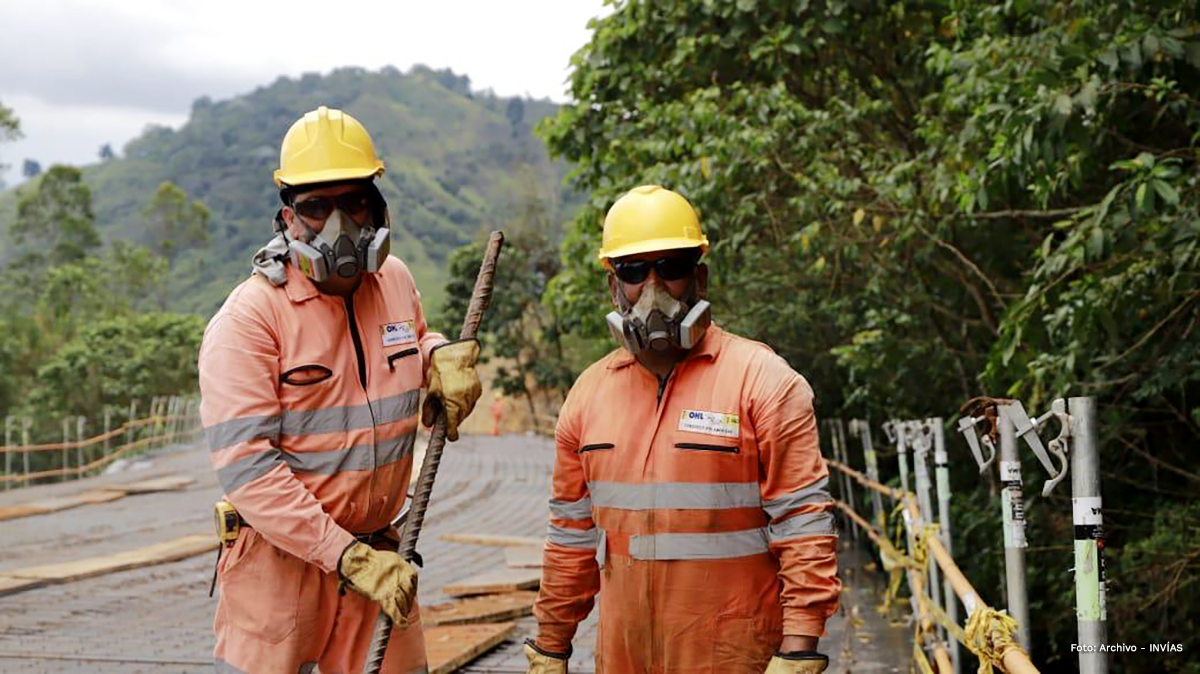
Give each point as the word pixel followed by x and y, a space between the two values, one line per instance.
pixel 689 490
pixel 311 375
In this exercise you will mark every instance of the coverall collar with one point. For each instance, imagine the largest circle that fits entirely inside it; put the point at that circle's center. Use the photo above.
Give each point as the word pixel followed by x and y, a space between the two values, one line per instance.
pixel 709 347
pixel 299 287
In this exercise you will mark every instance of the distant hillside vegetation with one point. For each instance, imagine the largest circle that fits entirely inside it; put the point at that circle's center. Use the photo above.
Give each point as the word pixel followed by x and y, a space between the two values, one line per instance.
pixel 458 164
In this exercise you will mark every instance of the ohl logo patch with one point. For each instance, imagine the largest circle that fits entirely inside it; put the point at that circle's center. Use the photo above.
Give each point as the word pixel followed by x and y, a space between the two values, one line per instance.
pixel 719 424
pixel 399 333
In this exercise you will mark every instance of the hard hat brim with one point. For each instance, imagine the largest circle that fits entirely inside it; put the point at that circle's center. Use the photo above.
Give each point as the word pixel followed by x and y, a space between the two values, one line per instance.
pixel 653 245
pixel 327 175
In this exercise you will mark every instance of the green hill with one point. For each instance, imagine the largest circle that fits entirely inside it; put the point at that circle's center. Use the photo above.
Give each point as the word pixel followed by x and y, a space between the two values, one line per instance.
pixel 458 164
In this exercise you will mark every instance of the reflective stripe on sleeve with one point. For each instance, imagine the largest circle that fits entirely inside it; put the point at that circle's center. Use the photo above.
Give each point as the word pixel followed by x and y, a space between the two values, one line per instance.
pixel 804 524
pixel 248 469
pixel 817 492
pixel 571 510
pixel 675 495
pixel 727 545
pixel 573 538
pixel 244 429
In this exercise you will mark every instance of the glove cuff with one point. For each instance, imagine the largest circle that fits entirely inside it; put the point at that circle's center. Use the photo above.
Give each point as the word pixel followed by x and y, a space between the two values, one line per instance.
pixel 802 655
pixel 557 656
pixel 343 573
pixel 452 342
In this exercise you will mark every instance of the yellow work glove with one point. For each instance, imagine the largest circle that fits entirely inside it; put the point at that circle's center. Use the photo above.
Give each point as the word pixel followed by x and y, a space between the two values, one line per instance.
pixel 800 662
pixel 453 383
pixel 544 662
pixel 383 576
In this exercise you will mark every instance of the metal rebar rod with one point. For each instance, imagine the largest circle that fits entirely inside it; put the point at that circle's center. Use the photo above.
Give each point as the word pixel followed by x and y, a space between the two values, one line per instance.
pixel 1012 506
pixel 1089 537
pixel 942 477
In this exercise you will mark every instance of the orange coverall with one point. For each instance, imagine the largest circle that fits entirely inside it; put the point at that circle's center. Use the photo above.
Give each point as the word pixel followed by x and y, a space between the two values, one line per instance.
pixel 699 512
pixel 310 406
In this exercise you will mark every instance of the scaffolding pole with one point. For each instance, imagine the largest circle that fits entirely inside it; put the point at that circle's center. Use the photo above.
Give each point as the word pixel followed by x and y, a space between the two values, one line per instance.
pixel 1012 506
pixel 942 477
pixel 1089 537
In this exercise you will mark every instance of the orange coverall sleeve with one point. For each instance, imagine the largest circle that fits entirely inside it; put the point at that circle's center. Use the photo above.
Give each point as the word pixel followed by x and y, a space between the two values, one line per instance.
pixel 793 486
pixel 240 409
pixel 570 572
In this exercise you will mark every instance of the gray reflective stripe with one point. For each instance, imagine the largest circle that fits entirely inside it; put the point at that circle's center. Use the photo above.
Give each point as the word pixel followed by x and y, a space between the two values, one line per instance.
pixel 308 668
pixel 727 545
pixel 571 510
pixel 816 492
pixel 804 524
pixel 223 667
pixel 248 468
pixel 358 457
pixel 229 433
pixel 334 419
pixel 677 495
pixel 602 548
pixel 573 538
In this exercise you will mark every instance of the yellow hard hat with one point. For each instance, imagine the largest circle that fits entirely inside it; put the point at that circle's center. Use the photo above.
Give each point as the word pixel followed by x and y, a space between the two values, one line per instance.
pixel 649 218
pixel 324 146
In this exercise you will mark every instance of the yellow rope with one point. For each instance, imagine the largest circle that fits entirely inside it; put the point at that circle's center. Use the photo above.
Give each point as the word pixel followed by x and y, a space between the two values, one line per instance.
pixel 923 665
pixel 989 635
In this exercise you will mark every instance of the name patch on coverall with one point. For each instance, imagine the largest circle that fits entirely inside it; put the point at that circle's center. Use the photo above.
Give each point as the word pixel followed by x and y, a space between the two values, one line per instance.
pixel 399 333
pixel 710 423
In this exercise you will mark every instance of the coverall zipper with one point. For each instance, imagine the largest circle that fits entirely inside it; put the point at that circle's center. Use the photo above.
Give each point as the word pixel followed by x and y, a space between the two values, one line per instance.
pixel 362 380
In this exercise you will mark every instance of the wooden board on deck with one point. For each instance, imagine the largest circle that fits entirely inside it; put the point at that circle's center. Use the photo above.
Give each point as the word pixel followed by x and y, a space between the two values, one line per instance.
pixel 493 539
pixel 488 608
pixel 165 483
pixel 523 557
pixel 159 553
pixel 449 647
pixel 499 580
pixel 94 496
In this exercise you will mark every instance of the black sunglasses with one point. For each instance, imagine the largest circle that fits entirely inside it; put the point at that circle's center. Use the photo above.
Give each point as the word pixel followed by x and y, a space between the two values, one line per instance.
pixel 667 268
pixel 354 204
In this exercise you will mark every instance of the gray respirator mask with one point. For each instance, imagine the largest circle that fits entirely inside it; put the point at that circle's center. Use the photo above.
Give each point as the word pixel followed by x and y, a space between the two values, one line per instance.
pixel 343 247
pixel 659 322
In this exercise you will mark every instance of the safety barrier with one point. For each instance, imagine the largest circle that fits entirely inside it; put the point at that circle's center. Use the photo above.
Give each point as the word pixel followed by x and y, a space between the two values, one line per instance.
pixel 997 638
pixel 172 419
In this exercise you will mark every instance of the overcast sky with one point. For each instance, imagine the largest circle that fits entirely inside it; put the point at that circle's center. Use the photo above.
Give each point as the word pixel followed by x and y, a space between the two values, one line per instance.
pixel 81 73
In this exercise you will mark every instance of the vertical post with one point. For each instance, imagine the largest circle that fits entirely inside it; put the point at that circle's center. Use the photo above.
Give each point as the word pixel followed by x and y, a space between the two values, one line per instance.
pixel 921 443
pixel 1089 537
pixel 1012 505
pixel 839 439
pixel 902 452
pixel 25 424
pixel 8 442
pixel 864 430
pixel 131 432
pixel 107 429
pixel 66 438
pixel 80 432
pixel 942 477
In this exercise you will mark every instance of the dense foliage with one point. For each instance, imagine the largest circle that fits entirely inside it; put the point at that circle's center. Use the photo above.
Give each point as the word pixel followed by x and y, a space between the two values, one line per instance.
pixel 455 158
pixel 920 203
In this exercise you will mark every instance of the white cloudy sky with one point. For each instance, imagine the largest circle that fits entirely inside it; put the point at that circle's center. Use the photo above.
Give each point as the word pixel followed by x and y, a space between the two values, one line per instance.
pixel 81 73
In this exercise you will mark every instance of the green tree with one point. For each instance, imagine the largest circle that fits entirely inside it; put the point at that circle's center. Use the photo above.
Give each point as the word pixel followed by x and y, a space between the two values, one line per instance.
pixel 54 221
pixel 173 223
pixel 10 129
pixel 915 204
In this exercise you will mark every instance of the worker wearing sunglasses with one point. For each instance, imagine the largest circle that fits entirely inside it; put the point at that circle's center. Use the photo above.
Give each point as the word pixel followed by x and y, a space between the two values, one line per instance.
pixel 311 374
pixel 689 494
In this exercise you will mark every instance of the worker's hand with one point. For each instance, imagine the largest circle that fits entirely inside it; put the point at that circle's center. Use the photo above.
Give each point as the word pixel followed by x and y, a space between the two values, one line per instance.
pixel 798 662
pixel 453 382
pixel 383 576
pixel 544 662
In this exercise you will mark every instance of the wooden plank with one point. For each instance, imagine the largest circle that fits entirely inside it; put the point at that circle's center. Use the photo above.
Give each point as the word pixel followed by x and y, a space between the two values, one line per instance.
pixel 491 539
pixel 160 553
pixel 165 483
pixel 23 510
pixel 11 585
pixel 450 647
pixel 488 608
pixel 499 580
pixel 523 557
